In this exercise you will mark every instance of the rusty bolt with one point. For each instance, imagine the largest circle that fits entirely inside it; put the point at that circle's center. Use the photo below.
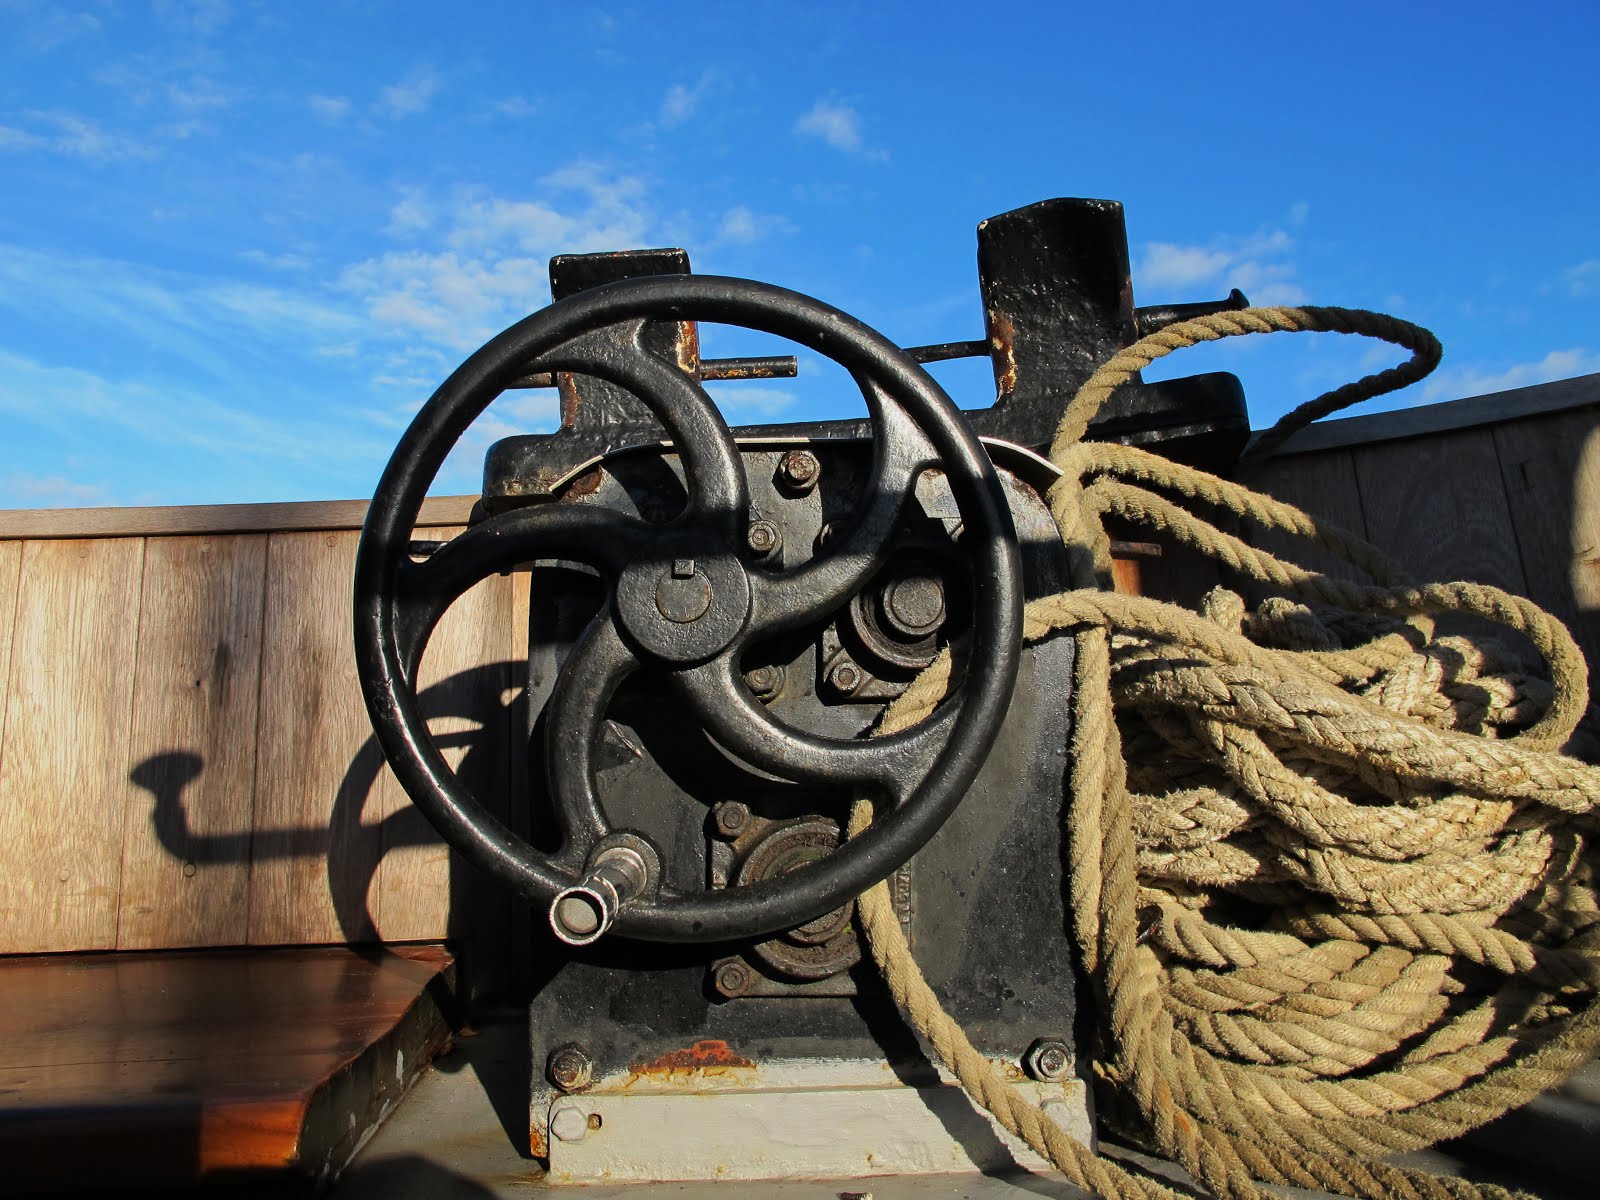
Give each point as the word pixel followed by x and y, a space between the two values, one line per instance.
pixel 732 978
pixel 763 537
pixel 1048 1060
pixel 731 818
pixel 799 469
pixel 569 1068
pixel 569 1123
pixel 764 681
pixel 845 676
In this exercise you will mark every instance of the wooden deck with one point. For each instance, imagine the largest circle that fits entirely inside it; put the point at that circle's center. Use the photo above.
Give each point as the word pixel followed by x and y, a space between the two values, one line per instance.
pixel 125 1070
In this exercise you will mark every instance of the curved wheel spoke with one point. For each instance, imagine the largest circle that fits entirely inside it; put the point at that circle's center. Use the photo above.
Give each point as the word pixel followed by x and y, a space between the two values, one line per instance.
pixel 712 471
pixel 825 584
pixel 577 707
pixel 603 538
pixel 896 763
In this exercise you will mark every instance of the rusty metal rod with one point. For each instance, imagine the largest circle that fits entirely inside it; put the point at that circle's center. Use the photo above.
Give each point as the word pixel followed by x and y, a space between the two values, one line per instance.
pixel 942 351
pixel 771 366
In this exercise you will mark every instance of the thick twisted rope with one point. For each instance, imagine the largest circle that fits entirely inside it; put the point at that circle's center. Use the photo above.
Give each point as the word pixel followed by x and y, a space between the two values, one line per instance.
pixel 1329 872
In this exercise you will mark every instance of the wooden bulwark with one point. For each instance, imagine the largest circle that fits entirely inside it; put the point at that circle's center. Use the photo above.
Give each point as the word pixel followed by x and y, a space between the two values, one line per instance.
pixel 1514 503
pixel 185 759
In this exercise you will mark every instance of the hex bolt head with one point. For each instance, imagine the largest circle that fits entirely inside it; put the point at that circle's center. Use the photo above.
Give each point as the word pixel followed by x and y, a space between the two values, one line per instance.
pixel 764 681
pixel 731 817
pixel 799 469
pixel 1048 1060
pixel 732 978
pixel 569 1123
pixel 845 677
pixel 569 1068
pixel 763 537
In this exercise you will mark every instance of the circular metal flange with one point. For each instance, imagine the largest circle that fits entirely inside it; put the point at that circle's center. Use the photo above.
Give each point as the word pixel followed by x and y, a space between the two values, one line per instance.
pixel 686 608
pixel 824 946
pixel 683 600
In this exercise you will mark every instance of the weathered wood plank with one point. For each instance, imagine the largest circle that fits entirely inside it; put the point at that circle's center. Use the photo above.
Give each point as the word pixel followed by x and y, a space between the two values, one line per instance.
pixel 463 682
pixel 1551 470
pixel 1322 485
pixel 10 570
pixel 66 744
pixel 213 518
pixel 1437 506
pixel 191 787
pixel 312 857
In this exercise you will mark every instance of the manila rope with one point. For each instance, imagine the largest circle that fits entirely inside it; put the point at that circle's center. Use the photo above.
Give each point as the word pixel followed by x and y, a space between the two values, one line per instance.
pixel 1329 869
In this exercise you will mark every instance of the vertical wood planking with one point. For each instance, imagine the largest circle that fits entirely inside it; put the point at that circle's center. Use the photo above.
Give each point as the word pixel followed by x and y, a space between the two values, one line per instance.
pixel 62 794
pixel 312 858
pixel 1321 485
pixel 462 688
pixel 519 929
pixel 1438 507
pixel 10 573
pixel 191 777
pixel 1551 470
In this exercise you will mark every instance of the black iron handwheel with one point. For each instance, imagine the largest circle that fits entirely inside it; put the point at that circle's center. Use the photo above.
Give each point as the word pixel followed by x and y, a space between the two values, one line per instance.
pixel 681 596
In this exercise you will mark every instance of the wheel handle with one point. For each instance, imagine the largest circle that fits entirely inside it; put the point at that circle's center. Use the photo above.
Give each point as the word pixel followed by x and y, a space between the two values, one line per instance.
pixel 682 598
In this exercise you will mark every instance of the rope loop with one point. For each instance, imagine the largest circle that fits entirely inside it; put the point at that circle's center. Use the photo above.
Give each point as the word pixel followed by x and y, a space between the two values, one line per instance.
pixel 1330 870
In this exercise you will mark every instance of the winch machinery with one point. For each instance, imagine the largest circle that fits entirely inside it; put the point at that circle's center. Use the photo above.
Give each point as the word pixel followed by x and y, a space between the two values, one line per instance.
pixel 717 620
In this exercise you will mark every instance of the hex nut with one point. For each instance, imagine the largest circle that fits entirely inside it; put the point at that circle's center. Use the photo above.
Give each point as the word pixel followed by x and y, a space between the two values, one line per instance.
pixel 732 978
pixel 764 681
pixel 569 1123
pixel 799 469
pixel 569 1068
pixel 763 537
pixel 732 817
pixel 1048 1060
pixel 845 676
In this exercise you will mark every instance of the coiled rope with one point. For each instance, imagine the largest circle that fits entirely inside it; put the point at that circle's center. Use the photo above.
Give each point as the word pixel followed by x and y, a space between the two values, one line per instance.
pixel 1329 870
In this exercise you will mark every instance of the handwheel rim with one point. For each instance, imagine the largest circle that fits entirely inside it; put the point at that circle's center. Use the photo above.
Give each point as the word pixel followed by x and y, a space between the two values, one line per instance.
pixel 485 841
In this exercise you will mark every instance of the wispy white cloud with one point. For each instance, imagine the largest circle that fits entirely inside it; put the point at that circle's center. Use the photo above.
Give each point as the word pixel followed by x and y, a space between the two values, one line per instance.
pixel 220 328
pixel 485 265
pixel 412 213
pixel 746 401
pixel 681 100
pixel 515 106
pixel 22 490
pixel 1480 379
pixel 329 108
pixel 741 226
pixel 838 125
pixel 198 94
pixel 179 418
pixel 1582 278
pixel 1260 265
pixel 12 138
pixel 281 262
pixel 408 97
pixel 50 27
pixel 75 137
pixel 1167 264
pixel 202 17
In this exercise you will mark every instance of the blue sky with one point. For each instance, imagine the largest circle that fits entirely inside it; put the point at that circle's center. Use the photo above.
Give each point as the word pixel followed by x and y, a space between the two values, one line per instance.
pixel 240 243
